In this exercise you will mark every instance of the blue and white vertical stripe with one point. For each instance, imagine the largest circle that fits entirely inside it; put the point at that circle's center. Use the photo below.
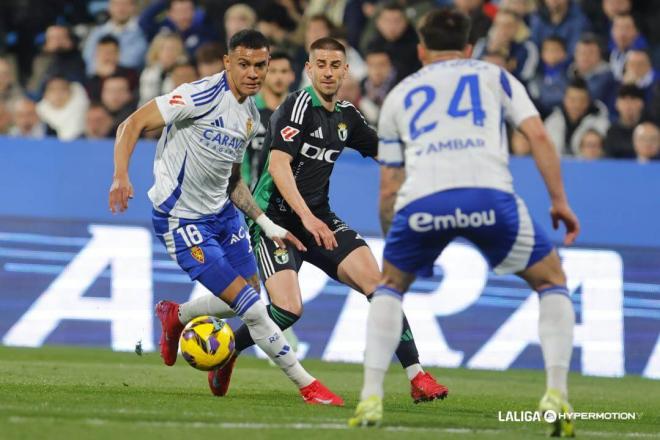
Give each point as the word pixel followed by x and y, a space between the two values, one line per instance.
pixel 169 203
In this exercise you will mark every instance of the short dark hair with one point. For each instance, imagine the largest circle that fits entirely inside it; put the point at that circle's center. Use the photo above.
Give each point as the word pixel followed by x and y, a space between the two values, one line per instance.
pixel 579 83
pixel 444 29
pixel 108 39
pixel 209 53
pixel 590 38
pixel 276 13
pixel 249 39
pixel 555 39
pixel 281 55
pixel 327 43
pixel 630 91
pixel 119 76
pixel 376 48
pixel 97 104
pixel 170 2
pixel 393 6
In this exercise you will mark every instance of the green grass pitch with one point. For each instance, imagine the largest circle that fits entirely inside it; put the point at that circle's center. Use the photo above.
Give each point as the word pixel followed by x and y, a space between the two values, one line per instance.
pixel 76 393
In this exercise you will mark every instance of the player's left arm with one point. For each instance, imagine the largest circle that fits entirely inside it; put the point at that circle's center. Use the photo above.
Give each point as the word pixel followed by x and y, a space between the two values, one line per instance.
pixel 521 111
pixel 240 195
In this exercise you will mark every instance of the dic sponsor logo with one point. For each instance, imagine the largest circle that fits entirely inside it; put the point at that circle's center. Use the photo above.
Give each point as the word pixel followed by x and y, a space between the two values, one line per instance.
pixel 317 153
pixel 425 222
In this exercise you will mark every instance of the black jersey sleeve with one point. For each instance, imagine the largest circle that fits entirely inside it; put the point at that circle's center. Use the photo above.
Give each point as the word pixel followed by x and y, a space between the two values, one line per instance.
pixel 361 136
pixel 287 124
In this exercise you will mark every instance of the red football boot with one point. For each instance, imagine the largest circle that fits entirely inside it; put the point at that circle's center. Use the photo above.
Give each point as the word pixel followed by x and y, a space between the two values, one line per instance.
pixel 168 313
pixel 424 388
pixel 219 378
pixel 317 394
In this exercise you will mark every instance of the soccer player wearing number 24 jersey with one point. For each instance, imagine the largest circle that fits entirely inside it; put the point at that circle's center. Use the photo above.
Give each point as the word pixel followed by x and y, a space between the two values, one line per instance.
pixel 208 125
pixel 444 154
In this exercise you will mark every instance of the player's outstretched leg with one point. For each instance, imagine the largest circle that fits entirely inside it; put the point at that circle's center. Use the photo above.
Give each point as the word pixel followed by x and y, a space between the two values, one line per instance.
pixel 556 323
pixel 245 302
pixel 360 271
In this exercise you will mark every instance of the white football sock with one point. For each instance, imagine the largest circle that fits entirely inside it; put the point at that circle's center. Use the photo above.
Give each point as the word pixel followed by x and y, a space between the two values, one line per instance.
pixel 413 370
pixel 204 305
pixel 384 325
pixel 556 322
pixel 268 336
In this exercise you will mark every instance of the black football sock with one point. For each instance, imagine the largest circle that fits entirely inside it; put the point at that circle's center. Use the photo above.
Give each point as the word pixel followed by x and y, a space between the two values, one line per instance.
pixel 283 318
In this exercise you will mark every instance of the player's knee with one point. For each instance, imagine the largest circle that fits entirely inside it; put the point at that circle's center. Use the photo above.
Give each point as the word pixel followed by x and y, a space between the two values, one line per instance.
pixel 369 282
pixel 553 277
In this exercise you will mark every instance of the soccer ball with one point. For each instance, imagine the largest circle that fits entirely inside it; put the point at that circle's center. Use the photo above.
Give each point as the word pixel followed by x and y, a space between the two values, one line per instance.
pixel 207 343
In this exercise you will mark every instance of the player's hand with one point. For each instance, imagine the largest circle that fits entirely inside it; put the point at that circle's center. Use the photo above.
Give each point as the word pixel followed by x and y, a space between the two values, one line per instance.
pixel 278 234
pixel 120 191
pixel 291 239
pixel 322 234
pixel 561 212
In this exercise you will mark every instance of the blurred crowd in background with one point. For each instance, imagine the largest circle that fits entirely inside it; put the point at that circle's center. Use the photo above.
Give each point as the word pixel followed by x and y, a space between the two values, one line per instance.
pixel 77 68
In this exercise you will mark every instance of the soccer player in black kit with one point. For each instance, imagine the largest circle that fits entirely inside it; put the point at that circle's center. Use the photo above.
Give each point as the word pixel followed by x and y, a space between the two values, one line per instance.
pixel 306 135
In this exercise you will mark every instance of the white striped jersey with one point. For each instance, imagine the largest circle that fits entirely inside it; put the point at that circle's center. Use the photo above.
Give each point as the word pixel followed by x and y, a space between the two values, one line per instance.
pixel 446 125
pixel 207 131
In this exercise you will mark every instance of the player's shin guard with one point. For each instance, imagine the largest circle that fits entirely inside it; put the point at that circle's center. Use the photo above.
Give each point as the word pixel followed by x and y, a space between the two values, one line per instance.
pixel 383 334
pixel 407 352
pixel 268 336
pixel 204 305
pixel 556 322
pixel 283 318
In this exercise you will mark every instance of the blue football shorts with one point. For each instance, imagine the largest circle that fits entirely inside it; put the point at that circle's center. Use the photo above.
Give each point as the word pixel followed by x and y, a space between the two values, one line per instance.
pixel 496 222
pixel 214 249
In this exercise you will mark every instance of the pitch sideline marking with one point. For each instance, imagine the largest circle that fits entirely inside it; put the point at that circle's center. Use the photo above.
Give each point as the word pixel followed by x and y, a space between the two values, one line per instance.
pixel 304 426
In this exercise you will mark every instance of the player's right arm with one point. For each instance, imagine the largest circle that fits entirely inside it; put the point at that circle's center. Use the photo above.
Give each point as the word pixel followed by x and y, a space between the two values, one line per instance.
pixel 521 111
pixel 392 161
pixel 185 102
pixel 287 126
pixel 147 117
pixel 279 168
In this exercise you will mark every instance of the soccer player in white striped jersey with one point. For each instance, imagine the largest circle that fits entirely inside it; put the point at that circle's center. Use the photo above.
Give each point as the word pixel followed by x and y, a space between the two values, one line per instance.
pixel 198 187
pixel 444 154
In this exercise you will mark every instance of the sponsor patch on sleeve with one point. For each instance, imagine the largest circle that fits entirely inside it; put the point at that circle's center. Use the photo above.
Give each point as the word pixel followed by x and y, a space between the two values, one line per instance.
pixel 176 100
pixel 288 133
